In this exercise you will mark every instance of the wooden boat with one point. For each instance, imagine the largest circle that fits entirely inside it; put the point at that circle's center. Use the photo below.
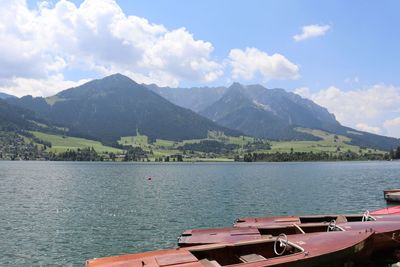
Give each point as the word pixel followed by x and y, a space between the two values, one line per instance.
pixel 331 249
pixel 289 220
pixel 385 226
pixel 388 191
pixel 386 211
pixel 195 237
pixel 386 233
pixel 392 195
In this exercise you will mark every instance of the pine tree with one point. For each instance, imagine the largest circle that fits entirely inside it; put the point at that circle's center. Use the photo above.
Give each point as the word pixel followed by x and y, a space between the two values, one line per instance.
pixel 397 155
pixel 391 154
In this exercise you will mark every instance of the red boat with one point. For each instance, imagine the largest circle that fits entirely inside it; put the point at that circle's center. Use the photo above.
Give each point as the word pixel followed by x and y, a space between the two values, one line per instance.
pixel 341 218
pixel 386 233
pixel 392 195
pixel 333 249
pixel 386 228
pixel 387 211
pixel 220 235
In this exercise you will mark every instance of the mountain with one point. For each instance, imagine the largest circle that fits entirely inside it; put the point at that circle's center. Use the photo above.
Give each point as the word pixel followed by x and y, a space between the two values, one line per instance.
pixel 233 106
pixel 5 96
pixel 270 113
pixel 116 106
pixel 199 99
pixel 275 114
pixel 195 98
pixel 14 118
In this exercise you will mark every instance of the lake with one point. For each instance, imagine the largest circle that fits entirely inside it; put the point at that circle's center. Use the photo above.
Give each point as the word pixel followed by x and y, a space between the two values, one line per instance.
pixel 62 213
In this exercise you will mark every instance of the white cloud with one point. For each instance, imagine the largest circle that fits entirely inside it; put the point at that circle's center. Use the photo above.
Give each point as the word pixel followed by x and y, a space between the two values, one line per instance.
pixel 368 128
pixel 96 36
pixel 246 64
pixel 365 109
pixel 311 31
pixel 393 126
pixel 39 87
pixel 303 91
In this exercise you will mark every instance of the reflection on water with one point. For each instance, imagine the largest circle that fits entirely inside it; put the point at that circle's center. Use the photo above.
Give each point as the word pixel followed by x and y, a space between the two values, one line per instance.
pixel 59 214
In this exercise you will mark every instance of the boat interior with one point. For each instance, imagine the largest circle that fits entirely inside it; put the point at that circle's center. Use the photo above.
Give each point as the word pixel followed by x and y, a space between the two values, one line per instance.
pixel 316 219
pixel 337 218
pixel 273 231
pixel 298 229
pixel 314 224
pixel 245 252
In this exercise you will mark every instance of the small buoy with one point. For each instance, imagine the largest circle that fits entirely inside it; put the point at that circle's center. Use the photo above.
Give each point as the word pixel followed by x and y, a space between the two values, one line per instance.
pixel 149 178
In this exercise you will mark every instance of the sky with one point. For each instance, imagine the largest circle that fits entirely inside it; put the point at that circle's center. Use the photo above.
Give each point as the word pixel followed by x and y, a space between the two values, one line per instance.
pixel 344 55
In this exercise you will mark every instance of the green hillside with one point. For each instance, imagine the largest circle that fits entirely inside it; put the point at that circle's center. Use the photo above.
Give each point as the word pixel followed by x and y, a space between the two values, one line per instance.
pixel 275 113
pixel 63 143
pixel 116 106
pixel 329 143
pixel 200 149
pixel 216 147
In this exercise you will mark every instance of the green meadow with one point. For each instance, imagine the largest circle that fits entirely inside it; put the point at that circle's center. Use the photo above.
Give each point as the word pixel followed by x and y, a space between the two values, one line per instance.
pixel 330 143
pixel 63 143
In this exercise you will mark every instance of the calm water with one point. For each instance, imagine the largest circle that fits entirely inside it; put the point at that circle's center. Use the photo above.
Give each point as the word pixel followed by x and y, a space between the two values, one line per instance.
pixel 59 214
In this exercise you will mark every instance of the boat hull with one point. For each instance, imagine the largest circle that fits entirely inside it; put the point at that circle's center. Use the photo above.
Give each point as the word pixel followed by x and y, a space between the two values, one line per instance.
pixel 335 249
pixel 387 211
pixel 386 235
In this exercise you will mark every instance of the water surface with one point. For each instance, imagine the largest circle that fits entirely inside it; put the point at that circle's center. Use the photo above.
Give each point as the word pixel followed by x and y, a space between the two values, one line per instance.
pixel 62 213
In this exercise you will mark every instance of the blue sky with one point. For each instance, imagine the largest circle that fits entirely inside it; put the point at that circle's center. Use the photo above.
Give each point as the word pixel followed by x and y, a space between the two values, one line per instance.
pixel 351 67
pixel 363 41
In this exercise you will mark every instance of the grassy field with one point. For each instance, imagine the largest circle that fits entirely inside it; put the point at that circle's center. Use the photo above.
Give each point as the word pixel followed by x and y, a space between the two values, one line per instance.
pixel 329 143
pixel 163 148
pixel 62 144
pixel 135 141
pixel 220 159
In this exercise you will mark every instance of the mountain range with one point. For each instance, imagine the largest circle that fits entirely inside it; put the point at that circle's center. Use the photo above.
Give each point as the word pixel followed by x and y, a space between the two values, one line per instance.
pixel 268 113
pixel 116 106
pixel 194 98
pixel 19 120
pixel 5 96
pixel 13 118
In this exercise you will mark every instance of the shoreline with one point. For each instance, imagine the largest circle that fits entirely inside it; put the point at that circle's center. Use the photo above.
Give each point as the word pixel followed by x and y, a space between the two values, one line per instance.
pixel 191 162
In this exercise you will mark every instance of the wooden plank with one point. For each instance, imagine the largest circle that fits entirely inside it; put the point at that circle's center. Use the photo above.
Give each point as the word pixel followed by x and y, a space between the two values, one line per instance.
pixel 175 259
pixel 252 258
pixel 208 263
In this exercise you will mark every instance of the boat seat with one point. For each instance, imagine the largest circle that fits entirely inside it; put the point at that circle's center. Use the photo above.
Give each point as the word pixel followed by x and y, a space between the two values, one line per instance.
pixel 341 219
pixel 208 263
pixel 251 258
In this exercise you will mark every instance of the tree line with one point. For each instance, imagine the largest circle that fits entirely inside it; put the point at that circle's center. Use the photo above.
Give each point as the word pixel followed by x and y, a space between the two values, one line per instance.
pixel 209 146
pixel 395 153
pixel 310 156
pixel 84 154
